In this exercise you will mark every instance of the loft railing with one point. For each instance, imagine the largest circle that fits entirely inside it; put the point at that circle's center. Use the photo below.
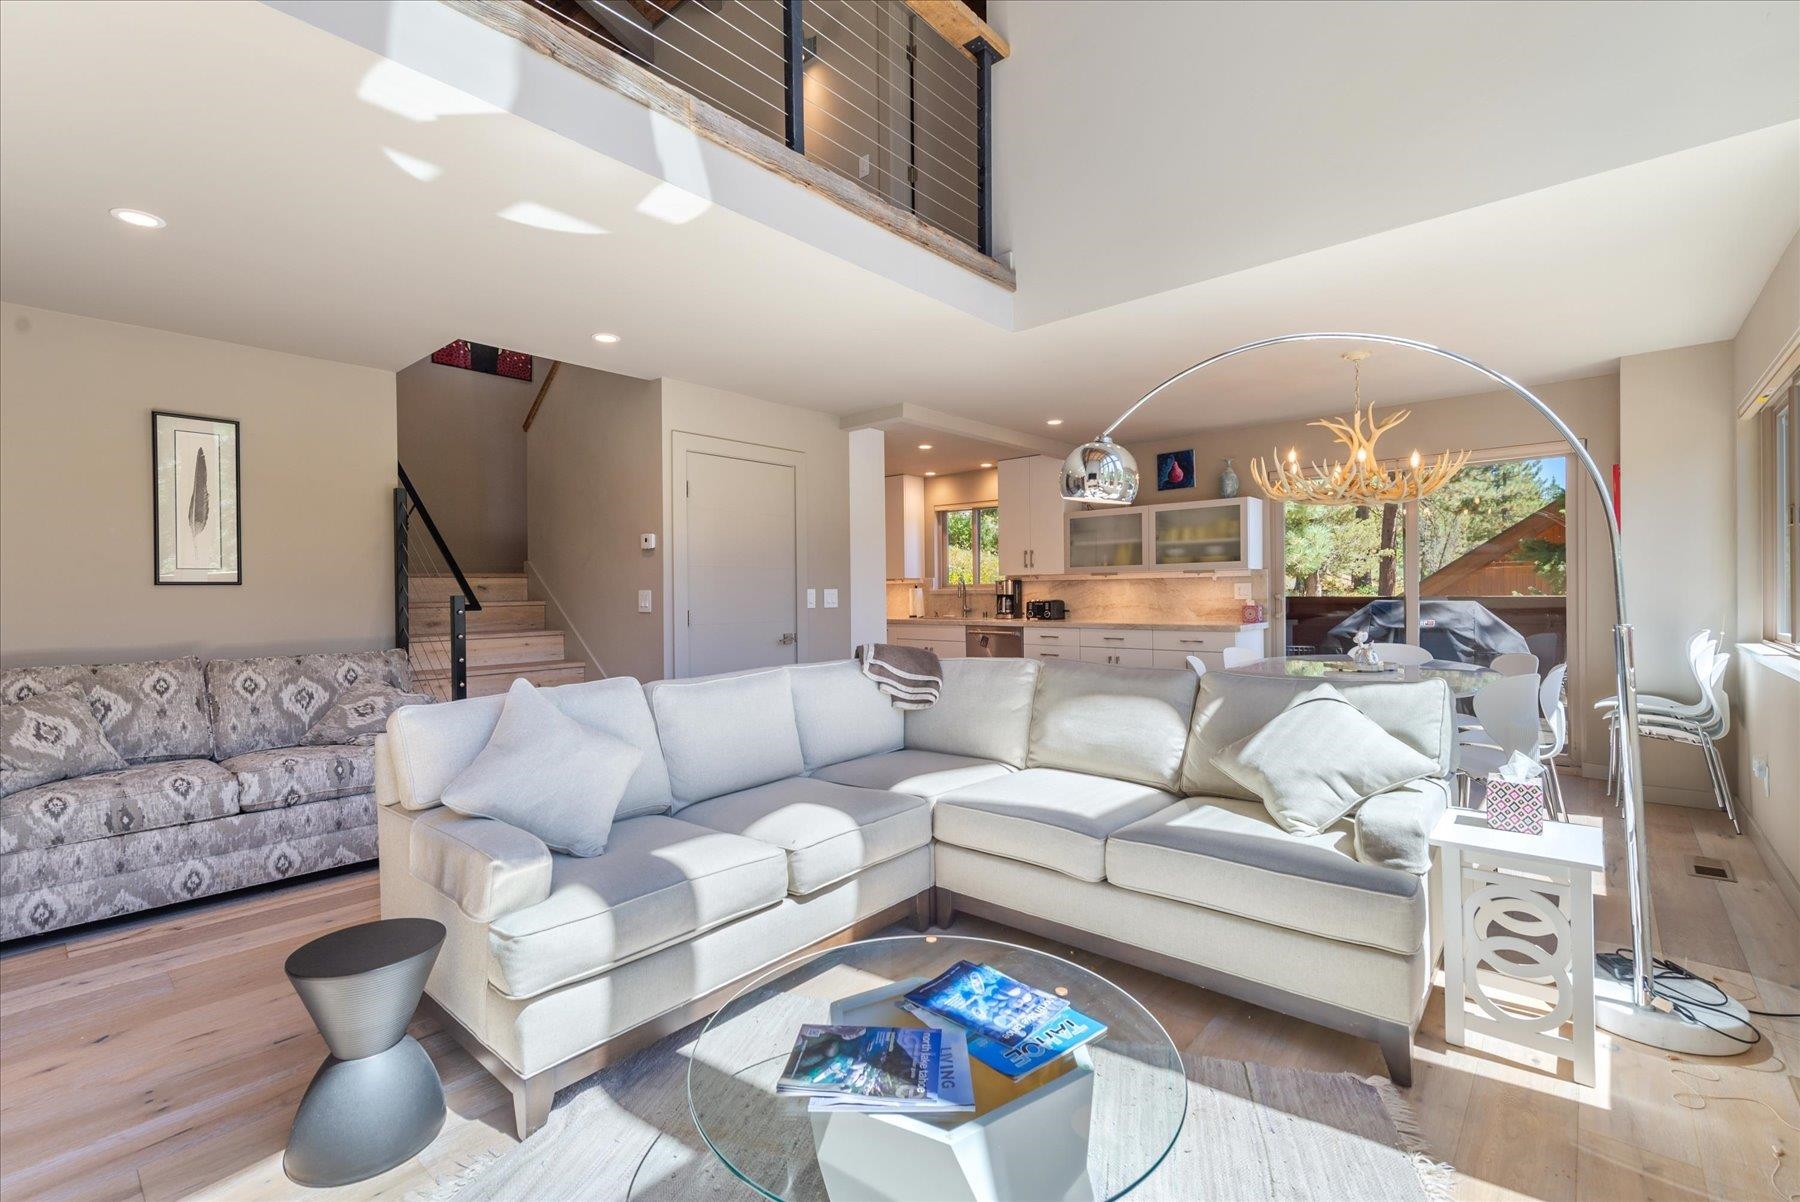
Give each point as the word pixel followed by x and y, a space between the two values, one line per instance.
pixel 872 90
pixel 420 550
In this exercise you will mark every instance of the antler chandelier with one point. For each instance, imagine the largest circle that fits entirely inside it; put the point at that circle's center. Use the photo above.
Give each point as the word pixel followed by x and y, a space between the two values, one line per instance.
pixel 1360 479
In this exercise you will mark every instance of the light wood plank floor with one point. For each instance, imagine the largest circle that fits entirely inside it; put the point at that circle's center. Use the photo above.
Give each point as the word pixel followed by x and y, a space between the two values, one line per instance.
pixel 164 1059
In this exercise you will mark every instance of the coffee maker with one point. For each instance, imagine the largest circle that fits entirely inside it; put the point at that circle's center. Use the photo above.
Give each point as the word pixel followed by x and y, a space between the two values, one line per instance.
pixel 1009 598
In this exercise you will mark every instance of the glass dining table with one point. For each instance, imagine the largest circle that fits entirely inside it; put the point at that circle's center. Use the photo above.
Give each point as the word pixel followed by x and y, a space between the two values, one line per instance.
pixel 1465 680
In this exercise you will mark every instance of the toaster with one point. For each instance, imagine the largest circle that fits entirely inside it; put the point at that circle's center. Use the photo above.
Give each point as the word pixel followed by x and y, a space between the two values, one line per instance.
pixel 1046 611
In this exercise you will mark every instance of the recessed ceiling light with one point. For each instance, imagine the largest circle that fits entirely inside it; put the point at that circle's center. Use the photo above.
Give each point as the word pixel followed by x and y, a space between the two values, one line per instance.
pixel 924 446
pixel 137 217
pixel 931 473
pixel 606 338
pixel 987 465
pixel 1055 421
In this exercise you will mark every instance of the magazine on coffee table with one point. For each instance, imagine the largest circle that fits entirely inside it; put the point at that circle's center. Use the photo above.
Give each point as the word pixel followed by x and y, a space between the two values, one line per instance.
pixel 1066 1032
pixel 986 1002
pixel 895 1069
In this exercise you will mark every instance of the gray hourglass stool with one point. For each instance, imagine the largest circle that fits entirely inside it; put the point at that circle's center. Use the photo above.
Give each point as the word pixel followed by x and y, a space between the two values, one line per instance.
pixel 377 1099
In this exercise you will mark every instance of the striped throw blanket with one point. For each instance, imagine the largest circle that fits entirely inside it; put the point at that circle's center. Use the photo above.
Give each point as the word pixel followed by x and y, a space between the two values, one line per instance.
pixel 912 676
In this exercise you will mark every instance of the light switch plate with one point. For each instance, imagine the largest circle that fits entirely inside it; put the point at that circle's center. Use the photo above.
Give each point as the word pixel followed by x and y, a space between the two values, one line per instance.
pixel 830 598
pixel 812 598
pixel 1241 591
pixel 644 601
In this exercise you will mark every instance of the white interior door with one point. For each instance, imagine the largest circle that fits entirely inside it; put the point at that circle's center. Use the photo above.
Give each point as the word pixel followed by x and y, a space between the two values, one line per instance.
pixel 742 564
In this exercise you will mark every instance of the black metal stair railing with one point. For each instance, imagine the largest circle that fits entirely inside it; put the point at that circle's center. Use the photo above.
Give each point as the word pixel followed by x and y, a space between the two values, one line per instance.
pixel 429 556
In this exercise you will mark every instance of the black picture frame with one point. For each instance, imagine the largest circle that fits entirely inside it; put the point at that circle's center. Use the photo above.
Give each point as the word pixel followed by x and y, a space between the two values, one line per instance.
pixel 206 500
pixel 1174 469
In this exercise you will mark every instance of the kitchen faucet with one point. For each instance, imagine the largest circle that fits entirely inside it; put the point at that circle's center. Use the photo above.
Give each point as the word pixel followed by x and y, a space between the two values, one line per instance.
pixel 962 595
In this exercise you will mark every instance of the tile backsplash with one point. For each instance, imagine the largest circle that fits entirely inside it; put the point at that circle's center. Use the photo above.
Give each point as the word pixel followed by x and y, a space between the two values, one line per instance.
pixel 1148 599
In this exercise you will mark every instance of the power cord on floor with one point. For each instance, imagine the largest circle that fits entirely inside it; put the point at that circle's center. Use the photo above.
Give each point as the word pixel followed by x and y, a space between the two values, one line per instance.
pixel 1667 974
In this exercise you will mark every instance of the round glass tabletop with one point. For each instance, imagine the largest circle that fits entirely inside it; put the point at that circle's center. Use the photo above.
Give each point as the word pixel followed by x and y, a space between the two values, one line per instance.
pixel 1465 680
pixel 1121 1097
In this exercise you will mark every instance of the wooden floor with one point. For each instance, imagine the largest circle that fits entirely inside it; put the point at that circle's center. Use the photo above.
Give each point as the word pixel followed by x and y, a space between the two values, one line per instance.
pixel 164 1060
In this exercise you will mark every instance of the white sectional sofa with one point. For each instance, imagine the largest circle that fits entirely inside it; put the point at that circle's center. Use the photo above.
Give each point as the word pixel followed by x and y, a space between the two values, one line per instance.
pixel 778 810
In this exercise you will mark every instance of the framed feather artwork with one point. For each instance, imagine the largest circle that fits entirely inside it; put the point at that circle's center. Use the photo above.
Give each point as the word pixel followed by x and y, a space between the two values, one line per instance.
pixel 194 462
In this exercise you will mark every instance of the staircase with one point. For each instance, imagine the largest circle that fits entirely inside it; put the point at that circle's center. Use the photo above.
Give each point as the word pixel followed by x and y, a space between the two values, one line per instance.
pixel 507 636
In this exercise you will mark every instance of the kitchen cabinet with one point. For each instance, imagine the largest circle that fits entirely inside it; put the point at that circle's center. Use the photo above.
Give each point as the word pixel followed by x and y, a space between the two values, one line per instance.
pixel 906 528
pixel 1031 516
pixel 946 640
pixel 1196 536
pixel 1115 637
pixel 1118 657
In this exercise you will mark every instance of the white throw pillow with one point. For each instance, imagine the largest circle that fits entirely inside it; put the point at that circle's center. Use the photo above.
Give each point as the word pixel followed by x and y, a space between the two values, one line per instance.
pixel 546 773
pixel 1319 759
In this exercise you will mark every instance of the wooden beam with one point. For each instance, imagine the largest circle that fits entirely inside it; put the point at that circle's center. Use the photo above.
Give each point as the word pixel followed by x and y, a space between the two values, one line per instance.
pixel 555 39
pixel 545 388
pixel 960 26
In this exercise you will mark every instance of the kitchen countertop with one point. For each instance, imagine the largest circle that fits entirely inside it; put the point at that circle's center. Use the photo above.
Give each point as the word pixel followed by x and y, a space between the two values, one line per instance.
pixel 1210 627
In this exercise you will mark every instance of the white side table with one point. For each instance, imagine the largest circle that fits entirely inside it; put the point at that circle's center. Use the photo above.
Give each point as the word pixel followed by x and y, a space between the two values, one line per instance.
pixel 1521 906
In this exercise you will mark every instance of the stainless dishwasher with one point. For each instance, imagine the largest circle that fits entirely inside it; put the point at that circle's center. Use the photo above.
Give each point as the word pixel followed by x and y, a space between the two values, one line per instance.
pixel 1006 642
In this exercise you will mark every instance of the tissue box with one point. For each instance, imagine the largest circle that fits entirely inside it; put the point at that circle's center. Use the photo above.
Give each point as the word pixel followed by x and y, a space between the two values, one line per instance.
pixel 1515 805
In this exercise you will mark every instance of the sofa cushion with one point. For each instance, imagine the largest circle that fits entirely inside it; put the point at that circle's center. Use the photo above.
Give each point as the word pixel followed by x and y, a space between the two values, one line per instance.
pixel 291 776
pixel 1128 723
pixel 1393 829
pixel 1045 816
pixel 50 737
pixel 841 714
pixel 721 734
pixel 155 710
pixel 984 711
pixel 828 831
pixel 428 745
pixel 1232 707
pixel 139 798
pixel 1319 759
pixel 258 704
pixel 661 880
pixel 924 774
pixel 1228 855
pixel 546 773
pixel 487 868
pixel 358 715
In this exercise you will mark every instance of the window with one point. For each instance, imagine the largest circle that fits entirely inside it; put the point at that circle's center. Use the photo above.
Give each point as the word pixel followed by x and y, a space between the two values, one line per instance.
pixel 1782 519
pixel 969 546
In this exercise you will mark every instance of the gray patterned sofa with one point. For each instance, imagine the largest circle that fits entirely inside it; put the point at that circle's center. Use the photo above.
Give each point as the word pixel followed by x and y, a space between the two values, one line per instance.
pixel 217 794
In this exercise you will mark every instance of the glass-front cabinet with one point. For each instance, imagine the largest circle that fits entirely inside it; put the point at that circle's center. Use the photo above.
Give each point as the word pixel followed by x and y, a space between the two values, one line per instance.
pixel 1196 536
pixel 1106 539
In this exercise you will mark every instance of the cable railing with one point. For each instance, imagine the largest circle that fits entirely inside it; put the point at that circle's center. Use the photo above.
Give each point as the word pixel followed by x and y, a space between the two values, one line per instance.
pixel 868 89
pixel 440 661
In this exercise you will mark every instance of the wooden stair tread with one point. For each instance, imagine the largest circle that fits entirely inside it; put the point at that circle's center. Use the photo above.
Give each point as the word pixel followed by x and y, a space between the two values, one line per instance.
pixel 519 669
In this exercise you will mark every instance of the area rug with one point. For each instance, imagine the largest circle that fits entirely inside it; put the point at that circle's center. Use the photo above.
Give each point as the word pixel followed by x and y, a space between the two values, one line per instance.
pixel 1252 1132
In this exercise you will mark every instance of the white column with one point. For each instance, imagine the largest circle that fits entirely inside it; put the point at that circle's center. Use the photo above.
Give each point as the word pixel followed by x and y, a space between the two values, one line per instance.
pixel 868 537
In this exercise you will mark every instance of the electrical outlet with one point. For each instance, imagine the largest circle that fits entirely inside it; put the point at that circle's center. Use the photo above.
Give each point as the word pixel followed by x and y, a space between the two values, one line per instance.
pixel 830 598
pixel 1759 768
pixel 1241 591
pixel 644 602
pixel 812 598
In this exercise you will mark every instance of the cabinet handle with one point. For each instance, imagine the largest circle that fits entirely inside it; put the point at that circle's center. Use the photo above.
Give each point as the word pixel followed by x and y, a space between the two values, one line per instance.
pixel 1112 638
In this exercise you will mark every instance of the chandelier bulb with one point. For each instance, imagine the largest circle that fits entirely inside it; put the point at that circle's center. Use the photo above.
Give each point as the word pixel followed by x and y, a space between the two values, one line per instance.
pixel 1415 461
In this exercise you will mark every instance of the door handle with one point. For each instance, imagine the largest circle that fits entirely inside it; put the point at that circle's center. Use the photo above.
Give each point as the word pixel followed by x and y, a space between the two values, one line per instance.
pixel 787 640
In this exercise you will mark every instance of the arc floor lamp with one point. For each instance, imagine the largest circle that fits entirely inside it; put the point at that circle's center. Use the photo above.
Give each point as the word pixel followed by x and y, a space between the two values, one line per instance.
pixel 1104 473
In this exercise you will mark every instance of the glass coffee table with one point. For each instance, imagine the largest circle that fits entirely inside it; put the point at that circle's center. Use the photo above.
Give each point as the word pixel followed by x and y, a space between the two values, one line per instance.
pixel 1090 1125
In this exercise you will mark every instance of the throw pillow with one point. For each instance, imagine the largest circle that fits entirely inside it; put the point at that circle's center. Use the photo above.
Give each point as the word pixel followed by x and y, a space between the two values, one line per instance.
pixel 50 737
pixel 359 715
pixel 546 773
pixel 1319 759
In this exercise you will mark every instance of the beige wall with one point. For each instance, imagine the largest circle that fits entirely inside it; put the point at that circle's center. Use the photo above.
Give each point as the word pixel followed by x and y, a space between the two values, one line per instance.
pixel 1768 344
pixel 462 440
pixel 696 409
pixel 317 446
pixel 595 483
pixel 1485 421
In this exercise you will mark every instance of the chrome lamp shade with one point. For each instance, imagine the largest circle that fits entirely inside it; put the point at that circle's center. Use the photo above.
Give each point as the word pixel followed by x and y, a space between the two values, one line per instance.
pixel 1100 473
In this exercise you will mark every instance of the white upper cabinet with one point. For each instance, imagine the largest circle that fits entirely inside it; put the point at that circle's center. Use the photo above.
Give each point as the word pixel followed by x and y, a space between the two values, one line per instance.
pixel 1199 536
pixel 1031 517
pixel 906 528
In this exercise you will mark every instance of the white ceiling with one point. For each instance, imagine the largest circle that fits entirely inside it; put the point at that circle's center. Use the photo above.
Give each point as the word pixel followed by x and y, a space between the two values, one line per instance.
pixel 271 147
pixel 949 452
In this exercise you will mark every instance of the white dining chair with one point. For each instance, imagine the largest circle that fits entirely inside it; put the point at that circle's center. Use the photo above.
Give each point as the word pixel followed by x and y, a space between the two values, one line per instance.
pixel 1703 732
pixel 1546 645
pixel 1515 663
pixel 1237 657
pixel 1508 712
pixel 1402 653
pixel 1704 664
pixel 1553 736
pixel 1197 664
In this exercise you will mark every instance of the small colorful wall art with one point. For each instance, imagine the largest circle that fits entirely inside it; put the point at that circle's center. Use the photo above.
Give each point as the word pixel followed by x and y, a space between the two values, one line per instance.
pixel 479 356
pixel 1174 469
pixel 195 524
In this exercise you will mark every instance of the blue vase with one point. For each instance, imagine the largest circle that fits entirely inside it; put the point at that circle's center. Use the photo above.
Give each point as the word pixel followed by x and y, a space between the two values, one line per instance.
pixel 1228 481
